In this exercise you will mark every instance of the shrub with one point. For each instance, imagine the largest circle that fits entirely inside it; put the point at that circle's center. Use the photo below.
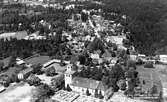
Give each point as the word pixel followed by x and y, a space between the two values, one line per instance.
pixel 148 65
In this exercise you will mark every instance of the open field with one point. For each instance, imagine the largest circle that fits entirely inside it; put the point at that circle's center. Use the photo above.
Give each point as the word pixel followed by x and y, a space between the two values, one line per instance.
pixel 17 93
pixel 151 77
pixel 162 71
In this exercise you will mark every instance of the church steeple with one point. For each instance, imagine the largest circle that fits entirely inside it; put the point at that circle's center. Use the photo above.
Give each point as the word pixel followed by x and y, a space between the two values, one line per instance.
pixel 69 75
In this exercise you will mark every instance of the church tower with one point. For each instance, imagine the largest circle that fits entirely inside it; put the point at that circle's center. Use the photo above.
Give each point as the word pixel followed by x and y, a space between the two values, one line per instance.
pixel 69 75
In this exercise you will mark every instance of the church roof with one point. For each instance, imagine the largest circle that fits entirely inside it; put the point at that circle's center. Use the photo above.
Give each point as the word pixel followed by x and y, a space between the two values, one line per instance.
pixel 85 82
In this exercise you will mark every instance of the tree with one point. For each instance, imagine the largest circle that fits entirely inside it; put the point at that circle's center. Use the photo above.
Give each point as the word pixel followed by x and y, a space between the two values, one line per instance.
pixel 143 28
pixel 84 17
pixel 100 95
pixel 51 71
pixel 12 61
pixel 87 92
pixel 130 91
pixel 131 63
pixel 105 80
pixel 1 66
pixel 108 93
pixel 36 68
pixel 153 90
pixel 68 88
pixel 126 42
pixel 121 84
pixel 42 92
pixel 57 82
pixel 14 78
pixel 96 93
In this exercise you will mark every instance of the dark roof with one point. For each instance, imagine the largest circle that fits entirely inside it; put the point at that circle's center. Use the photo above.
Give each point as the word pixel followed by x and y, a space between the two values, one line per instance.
pixel 85 82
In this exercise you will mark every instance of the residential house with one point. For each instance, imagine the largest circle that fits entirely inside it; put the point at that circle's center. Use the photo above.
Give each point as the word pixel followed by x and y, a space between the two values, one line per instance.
pixel 18 35
pixel 133 57
pixel 95 56
pixel 19 61
pixel 117 39
pixel 24 73
pixel 141 57
pixel 163 59
pixel 4 79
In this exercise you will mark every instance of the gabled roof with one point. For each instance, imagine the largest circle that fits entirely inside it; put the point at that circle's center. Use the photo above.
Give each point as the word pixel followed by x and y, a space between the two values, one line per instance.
pixel 85 82
pixel 28 70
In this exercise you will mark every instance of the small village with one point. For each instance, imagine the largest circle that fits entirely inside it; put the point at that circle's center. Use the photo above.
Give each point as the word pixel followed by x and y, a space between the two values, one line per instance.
pixel 92 60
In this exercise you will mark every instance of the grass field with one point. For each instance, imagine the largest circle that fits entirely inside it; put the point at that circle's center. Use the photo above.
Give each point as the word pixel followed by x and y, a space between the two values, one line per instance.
pixel 18 93
pixel 162 71
pixel 151 78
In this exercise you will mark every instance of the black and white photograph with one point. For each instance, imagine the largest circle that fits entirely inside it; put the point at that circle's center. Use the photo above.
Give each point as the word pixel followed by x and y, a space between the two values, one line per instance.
pixel 83 50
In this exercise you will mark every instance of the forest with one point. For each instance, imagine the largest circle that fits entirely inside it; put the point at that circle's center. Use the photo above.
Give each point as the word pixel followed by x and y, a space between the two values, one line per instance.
pixel 146 20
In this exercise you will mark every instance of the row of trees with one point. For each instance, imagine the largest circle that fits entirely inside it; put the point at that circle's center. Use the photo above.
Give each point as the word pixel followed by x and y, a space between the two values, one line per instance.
pixel 17 48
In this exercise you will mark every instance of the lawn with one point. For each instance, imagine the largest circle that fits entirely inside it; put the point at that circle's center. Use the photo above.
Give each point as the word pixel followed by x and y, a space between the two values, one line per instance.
pixel 151 78
pixel 162 71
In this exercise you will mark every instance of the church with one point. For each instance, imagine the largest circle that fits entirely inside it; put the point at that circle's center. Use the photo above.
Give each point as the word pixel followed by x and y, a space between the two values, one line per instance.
pixel 81 85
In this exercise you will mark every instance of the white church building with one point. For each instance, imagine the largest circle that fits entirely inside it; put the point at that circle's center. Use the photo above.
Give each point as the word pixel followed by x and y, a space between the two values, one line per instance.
pixel 81 85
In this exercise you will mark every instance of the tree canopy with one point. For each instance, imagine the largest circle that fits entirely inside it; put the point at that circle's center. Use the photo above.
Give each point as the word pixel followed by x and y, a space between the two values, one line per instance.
pixel 145 20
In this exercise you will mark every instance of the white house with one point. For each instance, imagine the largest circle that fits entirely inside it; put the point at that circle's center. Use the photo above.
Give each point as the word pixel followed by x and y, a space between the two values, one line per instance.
pixel 163 59
pixel 133 57
pixel 95 56
pixel 19 61
pixel 117 39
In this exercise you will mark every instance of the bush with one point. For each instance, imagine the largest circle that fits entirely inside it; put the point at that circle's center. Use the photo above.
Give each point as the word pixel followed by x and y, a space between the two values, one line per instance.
pixel 6 84
pixel 87 92
pixel 51 71
pixel 139 62
pixel 148 65
pixel 100 95
pixel 131 63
